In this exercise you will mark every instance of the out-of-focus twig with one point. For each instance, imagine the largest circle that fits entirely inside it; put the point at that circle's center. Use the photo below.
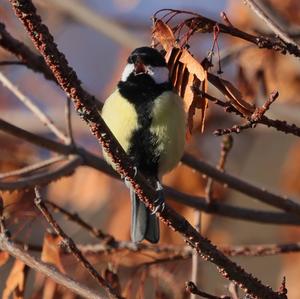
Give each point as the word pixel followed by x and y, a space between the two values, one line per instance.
pixel 261 194
pixel 77 219
pixel 195 256
pixel 31 168
pixel 28 57
pixel 68 114
pixel 270 23
pixel 41 115
pixel 44 177
pixel 11 62
pixel 233 290
pixel 226 146
pixel 81 12
pixel 70 244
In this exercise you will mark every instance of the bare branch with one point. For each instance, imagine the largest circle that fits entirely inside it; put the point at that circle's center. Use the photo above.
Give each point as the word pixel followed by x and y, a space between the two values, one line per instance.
pixel 44 177
pixel 75 218
pixel 70 244
pixel 31 168
pixel 87 16
pixel 270 23
pixel 47 270
pixel 261 194
pixel 45 119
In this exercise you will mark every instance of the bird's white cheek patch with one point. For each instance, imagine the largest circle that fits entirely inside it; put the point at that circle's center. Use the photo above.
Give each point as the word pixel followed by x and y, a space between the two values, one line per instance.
pixel 129 68
pixel 159 74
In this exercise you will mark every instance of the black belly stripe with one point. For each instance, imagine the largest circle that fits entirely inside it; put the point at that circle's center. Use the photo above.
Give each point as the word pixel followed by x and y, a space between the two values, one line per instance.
pixel 141 93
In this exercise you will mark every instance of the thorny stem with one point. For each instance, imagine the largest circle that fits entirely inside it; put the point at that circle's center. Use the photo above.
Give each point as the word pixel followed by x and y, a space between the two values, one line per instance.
pixel 85 106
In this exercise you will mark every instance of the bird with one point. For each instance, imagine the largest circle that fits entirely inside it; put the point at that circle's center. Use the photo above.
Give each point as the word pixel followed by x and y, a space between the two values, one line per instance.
pixel 147 117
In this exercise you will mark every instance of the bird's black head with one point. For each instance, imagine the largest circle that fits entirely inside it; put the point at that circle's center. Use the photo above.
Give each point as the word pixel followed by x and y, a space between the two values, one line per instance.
pixel 146 66
pixel 149 56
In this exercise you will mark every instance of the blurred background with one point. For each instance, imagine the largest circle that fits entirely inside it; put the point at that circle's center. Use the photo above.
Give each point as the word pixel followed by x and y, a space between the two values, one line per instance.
pixel 97 37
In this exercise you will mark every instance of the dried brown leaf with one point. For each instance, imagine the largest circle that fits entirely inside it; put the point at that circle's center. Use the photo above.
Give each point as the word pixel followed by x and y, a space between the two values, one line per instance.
pixel 186 74
pixel 15 282
pixel 192 65
pixel 163 34
pixel 232 94
pixel 51 251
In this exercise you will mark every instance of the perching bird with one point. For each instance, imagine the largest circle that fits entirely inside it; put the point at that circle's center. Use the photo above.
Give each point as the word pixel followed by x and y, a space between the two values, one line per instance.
pixel 147 117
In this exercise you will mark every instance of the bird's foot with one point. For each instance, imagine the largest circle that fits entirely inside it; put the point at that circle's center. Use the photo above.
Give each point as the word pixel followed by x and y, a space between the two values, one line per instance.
pixel 126 180
pixel 160 201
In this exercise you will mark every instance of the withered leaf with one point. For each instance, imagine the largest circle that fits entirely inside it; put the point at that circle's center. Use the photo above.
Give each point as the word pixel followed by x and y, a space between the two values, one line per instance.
pixel 16 280
pixel 232 94
pixel 185 72
pixel 163 34
pixel 192 64
pixel 51 251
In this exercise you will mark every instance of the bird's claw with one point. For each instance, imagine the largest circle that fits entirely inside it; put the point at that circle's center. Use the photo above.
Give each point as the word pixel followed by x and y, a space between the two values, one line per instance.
pixel 159 203
pixel 126 180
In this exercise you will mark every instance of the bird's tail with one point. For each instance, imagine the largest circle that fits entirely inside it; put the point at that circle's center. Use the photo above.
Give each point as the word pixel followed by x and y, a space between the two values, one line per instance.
pixel 144 225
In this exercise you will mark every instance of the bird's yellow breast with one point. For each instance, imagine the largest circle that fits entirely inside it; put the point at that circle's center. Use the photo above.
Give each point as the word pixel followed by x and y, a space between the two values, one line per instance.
pixel 122 119
pixel 169 125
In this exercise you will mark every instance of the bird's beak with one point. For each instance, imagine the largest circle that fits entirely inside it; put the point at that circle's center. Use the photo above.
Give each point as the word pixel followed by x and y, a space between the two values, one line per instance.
pixel 139 67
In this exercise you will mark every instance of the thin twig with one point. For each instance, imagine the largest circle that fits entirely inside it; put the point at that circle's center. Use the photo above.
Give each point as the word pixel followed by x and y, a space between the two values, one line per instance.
pixel 45 119
pixel 11 62
pixel 70 244
pixel 31 168
pixel 44 177
pixel 47 270
pixel 81 12
pixel 195 256
pixel 274 27
pixel 226 146
pixel 261 194
pixel 255 118
pixel 233 290
pixel 70 83
pixel 68 114
pixel 75 218
pixel 172 253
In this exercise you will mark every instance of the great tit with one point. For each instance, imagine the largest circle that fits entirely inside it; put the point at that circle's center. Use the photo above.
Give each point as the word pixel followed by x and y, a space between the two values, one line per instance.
pixel 147 117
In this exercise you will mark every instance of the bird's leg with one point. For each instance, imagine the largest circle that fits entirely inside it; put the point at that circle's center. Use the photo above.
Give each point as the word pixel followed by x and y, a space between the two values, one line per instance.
pixel 160 201
pixel 126 180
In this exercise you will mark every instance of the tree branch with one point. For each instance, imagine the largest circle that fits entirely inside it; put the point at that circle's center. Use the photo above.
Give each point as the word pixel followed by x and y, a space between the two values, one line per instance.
pixel 47 270
pixel 70 244
pixel 274 27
